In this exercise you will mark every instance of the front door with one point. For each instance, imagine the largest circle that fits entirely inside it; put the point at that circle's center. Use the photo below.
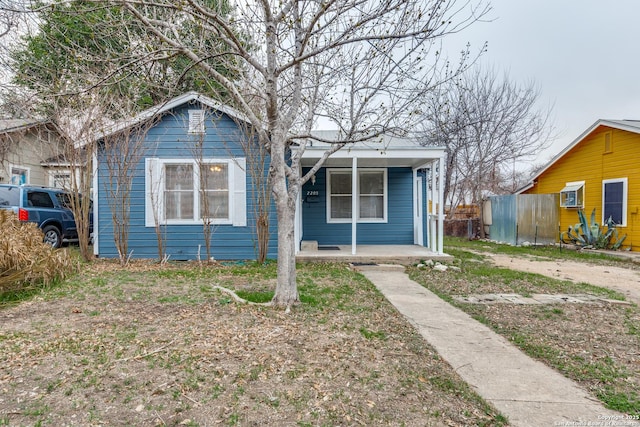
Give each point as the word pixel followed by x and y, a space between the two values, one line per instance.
pixel 418 234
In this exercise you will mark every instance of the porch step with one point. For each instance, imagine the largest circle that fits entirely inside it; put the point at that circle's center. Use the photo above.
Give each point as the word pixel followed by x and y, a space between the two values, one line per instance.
pixel 377 254
pixel 309 245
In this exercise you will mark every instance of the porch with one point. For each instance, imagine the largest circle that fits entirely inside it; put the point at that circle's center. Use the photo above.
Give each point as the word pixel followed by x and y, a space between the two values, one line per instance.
pixel 377 195
pixel 377 254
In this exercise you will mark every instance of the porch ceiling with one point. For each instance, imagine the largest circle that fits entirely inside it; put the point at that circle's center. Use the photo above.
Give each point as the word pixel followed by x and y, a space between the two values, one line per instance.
pixel 370 157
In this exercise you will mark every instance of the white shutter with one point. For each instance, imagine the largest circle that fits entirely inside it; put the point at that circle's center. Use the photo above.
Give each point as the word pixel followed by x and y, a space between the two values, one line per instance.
pixel 239 202
pixel 152 187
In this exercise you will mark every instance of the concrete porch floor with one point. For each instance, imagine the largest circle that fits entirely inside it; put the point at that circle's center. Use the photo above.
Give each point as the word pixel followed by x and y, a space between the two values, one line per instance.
pixel 379 254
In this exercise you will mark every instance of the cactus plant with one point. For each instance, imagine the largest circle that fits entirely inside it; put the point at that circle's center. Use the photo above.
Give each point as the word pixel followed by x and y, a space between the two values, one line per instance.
pixel 591 235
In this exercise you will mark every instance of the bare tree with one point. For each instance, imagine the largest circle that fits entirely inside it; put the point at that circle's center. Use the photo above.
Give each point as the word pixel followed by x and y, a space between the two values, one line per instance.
pixel 7 144
pixel 13 21
pixel 362 66
pixel 206 174
pixel 77 132
pixel 257 169
pixel 486 124
pixel 122 151
pixel 80 119
pixel 8 17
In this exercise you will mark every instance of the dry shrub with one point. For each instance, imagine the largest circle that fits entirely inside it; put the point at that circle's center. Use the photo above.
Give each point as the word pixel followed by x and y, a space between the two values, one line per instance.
pixel 25 260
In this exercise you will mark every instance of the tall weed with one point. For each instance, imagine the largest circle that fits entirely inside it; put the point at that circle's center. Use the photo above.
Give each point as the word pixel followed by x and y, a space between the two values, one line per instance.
pixel 25 260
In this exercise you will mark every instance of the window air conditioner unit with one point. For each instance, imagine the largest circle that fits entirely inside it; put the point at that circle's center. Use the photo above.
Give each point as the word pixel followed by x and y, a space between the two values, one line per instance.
pixel 572 196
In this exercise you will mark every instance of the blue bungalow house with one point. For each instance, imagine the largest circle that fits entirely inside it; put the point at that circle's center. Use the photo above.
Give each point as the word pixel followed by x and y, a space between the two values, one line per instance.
pixel 193 135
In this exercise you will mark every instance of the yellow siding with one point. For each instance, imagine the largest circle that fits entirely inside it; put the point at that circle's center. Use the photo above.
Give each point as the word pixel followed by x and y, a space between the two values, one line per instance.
pixel 589 162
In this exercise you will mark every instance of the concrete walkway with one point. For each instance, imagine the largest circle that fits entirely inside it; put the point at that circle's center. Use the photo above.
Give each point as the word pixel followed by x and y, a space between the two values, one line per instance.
pixel 526 391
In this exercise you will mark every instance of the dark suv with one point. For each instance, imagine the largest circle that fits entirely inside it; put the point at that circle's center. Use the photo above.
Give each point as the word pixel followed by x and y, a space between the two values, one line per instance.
pixel 50 208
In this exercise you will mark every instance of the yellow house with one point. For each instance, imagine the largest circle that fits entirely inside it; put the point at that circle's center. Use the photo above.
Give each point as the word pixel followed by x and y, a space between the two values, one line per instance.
pixel 601 170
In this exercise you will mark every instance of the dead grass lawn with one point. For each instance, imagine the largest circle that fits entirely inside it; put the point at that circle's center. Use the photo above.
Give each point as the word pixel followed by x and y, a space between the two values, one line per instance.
pixel 146 345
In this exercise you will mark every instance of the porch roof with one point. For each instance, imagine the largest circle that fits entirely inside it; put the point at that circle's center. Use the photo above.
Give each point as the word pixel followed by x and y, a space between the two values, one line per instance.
pixel 383 151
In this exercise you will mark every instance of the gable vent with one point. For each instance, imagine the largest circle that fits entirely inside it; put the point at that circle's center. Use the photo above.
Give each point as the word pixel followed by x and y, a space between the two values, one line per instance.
pixel 196 121
pixel 608 145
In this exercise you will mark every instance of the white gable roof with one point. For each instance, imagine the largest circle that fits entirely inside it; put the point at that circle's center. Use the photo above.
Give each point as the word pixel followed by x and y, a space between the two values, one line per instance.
pixel 165 107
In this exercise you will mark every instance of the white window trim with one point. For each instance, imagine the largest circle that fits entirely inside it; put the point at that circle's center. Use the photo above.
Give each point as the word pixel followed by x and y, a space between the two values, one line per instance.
pixel 382 220
pixel 54 172
pixel 155 181
pixel 196 122
pixel 25 168
pixel 575 184
pixel 625 196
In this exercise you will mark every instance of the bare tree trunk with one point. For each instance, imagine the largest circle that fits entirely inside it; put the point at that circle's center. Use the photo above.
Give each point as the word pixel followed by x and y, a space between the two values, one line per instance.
pixel 262 233
pixel 256 168
pixel 477 199
pixel 285 199
pixel 481 232
pixel 206 213
pixel 286 288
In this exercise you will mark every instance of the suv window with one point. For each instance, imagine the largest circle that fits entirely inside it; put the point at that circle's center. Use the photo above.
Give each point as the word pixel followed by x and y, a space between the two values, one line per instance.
pixel 9 196
pixel 65 200
pixel 39 199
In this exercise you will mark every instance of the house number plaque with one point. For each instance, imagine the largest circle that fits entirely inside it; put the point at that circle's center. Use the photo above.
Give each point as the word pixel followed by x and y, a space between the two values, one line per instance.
pixel 312 196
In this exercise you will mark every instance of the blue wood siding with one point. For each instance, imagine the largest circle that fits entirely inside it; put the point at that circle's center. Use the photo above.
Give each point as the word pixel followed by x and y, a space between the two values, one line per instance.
pixel 398 230
pixel 169 139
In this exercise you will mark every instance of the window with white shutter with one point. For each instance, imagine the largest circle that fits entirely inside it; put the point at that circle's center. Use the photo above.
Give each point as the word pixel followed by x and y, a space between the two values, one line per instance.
pixel 183 191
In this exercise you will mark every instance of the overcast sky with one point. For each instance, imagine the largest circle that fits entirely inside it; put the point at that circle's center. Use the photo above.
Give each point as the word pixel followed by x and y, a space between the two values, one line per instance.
pixel 582 54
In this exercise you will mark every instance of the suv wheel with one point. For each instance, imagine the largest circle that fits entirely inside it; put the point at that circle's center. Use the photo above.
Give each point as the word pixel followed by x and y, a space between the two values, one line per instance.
pixel 52 236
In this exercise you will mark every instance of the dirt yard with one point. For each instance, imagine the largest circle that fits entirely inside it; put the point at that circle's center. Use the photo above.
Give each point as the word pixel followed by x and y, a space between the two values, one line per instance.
pixel 624 280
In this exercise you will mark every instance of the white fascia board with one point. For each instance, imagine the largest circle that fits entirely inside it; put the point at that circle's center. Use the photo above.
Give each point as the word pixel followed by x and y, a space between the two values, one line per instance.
pixel 163 108
pixel 579 139
pixel 525 188
pixel 395 153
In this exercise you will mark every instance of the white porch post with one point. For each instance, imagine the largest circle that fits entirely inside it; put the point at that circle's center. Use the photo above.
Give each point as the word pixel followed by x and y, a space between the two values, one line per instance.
pixel 94 184
pixel 427 212
pixel 433 238
pixel 418 211
pixel 354 203
pixel 297 227
pixel 441 205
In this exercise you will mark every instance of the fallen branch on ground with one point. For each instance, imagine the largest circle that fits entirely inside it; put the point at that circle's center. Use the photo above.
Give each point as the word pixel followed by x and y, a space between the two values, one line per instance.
pixel 238 299
pixel 142 356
